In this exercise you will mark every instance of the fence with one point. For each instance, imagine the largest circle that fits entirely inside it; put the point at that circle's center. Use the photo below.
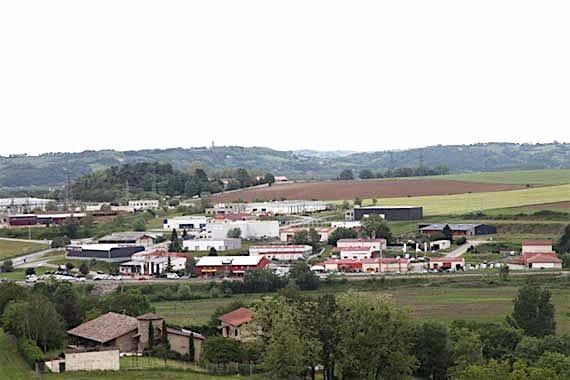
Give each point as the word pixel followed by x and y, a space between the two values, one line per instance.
pixel 150 362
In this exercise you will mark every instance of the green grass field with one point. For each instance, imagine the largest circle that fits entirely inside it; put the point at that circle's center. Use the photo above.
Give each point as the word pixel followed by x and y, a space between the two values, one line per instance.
pixel 517 177
pixel 470 202
pixel 442 303
pixel 11 248
pixel 12 367
pixel 20 274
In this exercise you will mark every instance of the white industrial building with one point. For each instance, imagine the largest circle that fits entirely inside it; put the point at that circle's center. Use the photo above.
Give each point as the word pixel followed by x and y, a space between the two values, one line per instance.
pixel 250 229
pixel 346 224
pixel 144 204
pixel 356 253
pixel 143 263
pixel 273 208
pixel 281 252
pixel 188 223
pixel 207 244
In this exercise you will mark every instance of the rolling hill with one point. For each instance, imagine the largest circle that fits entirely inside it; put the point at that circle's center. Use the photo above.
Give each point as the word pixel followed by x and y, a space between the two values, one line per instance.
pixel 48 169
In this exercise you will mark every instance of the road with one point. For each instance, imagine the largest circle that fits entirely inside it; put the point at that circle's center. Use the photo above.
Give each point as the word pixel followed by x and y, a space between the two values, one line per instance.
pixel 459 251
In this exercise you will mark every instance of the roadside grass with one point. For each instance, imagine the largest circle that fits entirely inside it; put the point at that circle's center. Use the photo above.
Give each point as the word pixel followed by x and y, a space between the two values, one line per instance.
pixel 19 274
pixel 96 266
pixel 12 366
pixel 148 362
pixel 149 374
pixel 10 248
pixel 472 202
pixel 516 177
pixel 444 302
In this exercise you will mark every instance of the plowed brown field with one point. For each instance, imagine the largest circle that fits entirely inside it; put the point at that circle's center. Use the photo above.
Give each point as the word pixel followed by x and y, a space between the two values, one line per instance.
pixel 337 190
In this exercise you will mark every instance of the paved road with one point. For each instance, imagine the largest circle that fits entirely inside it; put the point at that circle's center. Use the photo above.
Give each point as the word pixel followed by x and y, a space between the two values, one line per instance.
pixel 21 260
pixel 459 251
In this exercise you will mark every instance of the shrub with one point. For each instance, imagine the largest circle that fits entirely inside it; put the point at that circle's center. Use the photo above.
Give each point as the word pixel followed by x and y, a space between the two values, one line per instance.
pixel 462 240
pixel 8 266
pixel 29 351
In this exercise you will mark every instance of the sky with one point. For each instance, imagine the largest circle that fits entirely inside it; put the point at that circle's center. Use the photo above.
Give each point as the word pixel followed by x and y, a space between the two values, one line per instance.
pixel 323 75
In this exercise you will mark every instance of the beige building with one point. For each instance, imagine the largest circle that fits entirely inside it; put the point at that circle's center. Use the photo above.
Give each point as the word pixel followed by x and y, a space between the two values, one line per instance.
pixel 98 359
pixel 233 323
pixel 536 246
pixel 130 335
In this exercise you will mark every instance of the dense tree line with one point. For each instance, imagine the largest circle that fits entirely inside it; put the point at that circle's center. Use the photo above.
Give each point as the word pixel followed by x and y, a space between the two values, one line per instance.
pixel 418 171
pixel 154 179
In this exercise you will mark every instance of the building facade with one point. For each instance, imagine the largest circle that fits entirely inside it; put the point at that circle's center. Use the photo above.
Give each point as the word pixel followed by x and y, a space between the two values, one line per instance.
pixel 281 252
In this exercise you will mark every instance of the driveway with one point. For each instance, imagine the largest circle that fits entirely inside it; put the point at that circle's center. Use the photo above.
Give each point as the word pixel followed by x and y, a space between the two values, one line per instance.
pixel 459 251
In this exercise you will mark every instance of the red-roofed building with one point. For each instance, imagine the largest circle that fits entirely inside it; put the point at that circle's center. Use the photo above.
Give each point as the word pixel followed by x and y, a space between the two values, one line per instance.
pixel 372 244
pixel 384 265
pixel 535 260
pixel 281 252
pixel 232 323
pixel 446 263
pixel 536 246
pixel 356 253
pixel 287 233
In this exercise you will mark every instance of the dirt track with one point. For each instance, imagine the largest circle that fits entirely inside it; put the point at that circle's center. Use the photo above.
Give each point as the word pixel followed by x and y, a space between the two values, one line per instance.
pixel 335 190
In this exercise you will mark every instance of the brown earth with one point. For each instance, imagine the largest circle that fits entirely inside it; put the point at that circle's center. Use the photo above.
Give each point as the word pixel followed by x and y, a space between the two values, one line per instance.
pixel 336 190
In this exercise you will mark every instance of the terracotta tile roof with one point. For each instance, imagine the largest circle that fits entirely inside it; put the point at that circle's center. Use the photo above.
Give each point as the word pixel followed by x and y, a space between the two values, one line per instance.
pixel 537 242
pixel 149 316
pixel 183 332
pixel 106 327
pixel 237 317
pixel 549 257
pixel 447 259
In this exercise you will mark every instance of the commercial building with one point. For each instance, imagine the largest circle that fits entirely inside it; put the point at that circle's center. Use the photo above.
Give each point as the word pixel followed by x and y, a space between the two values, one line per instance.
pixel 356 253
pixel 134 238
pixel 281 252
pixel 458 229
pixel 229 265
pixel 271 208
pixel 536 254
pixel 394 213
pixel 144 204
pixel 286 234
pixel 207 244
pixel 154 263
pixel 446 263
pixel 102 252
pixel 536 246
pixel 188 223
pixel 250 229
pixel 373 244
pixel 21 204
pixel 41 219
pixel 369 265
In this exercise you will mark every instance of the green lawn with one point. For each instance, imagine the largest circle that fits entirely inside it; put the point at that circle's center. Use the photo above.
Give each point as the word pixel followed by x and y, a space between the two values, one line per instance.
pixel 197 312
pixel 470 202
pixel 20 274
pixel 11 248
pixel 99 265
pixel 517 177
pixel 12 367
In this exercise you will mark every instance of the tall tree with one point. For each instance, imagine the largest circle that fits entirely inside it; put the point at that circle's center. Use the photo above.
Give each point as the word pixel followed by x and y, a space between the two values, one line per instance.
pixel 346 174
pixel 563 245
pixel 432 350
pixel 375 227
pixel 533 311
pixel 175 245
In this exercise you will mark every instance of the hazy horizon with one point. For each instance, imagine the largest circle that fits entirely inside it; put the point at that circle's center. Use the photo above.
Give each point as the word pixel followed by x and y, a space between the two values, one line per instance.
pixel 319 75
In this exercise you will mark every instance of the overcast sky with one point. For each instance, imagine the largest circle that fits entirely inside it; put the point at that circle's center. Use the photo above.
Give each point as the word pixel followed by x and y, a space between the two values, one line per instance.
pixel 326 75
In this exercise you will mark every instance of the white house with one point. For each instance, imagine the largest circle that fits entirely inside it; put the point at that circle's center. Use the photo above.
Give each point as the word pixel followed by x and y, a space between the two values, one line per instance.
pixel 281 252
pixel 207 244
